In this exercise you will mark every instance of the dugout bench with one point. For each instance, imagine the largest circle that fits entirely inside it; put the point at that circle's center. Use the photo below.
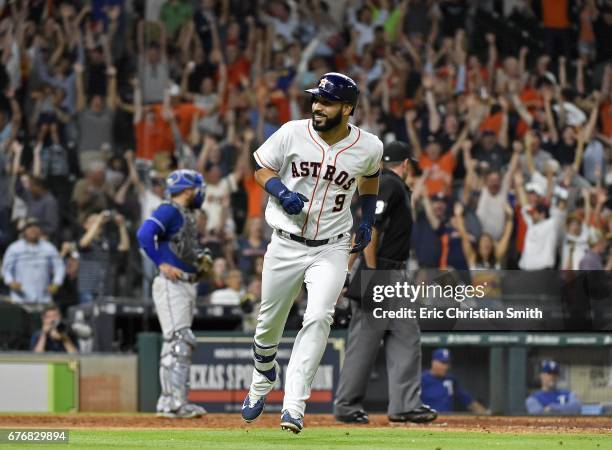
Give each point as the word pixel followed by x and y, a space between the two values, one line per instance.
pixel 497 368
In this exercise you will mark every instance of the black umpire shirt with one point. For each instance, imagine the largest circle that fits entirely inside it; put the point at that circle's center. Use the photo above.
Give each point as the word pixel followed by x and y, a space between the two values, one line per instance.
pixel 393 218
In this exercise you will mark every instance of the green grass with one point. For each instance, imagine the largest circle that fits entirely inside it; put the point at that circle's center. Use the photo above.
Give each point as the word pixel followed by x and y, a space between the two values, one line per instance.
pixel 326 438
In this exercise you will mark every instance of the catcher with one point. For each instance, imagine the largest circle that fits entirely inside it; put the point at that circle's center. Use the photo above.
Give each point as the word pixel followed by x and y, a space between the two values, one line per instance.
pixel 169 238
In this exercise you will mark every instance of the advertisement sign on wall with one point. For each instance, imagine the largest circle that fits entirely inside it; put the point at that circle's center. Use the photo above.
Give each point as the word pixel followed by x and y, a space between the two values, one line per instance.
pixel 223 366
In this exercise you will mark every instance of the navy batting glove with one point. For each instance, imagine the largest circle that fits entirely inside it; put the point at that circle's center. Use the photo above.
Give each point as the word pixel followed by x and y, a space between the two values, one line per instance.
pixel 362 237
pixel 292 202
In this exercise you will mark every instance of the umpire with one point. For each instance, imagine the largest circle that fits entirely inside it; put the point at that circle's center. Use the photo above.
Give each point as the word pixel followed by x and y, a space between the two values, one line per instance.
pixel 401 338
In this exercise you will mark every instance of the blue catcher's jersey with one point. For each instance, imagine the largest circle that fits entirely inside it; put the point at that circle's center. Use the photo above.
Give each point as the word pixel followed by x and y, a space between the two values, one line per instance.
pixel 170 236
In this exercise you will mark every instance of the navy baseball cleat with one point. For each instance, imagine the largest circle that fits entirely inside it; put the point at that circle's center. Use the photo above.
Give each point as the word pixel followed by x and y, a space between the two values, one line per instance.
pixel 263 382
pixel 291 423
pixel 252 407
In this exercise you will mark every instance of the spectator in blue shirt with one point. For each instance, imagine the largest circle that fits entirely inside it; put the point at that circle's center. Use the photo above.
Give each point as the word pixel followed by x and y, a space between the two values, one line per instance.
pixel 549 399
pixel 441 390
pixel 32 267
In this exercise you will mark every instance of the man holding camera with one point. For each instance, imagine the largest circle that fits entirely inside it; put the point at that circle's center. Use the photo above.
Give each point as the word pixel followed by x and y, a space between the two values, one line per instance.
pixel 104 240
pixel 54 335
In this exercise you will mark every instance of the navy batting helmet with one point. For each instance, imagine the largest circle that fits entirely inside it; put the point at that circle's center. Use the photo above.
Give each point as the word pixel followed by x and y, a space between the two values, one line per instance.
pixel 337 87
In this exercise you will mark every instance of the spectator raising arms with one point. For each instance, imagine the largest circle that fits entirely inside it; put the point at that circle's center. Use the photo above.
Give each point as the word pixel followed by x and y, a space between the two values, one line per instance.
pixel 99 101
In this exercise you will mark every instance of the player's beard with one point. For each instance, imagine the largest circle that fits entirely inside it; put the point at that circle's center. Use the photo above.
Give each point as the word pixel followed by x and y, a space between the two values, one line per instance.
pixel 330 122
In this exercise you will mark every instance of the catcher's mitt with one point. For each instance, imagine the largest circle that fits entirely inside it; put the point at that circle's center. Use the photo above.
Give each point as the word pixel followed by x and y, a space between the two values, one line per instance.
pixel 205 264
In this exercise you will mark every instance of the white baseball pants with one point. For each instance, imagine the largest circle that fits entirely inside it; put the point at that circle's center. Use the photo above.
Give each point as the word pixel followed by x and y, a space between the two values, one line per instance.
pixel 288 264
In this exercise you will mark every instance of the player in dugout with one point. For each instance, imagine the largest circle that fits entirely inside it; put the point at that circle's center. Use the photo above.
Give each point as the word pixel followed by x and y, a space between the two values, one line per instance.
pixel 442 391
pixel 550 399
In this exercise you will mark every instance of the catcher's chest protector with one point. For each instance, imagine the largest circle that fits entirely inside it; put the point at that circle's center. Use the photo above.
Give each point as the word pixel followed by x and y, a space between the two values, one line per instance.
pixel 184 244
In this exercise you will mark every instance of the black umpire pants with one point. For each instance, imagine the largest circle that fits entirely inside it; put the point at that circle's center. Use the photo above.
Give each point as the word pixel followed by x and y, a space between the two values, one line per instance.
pixel 402 345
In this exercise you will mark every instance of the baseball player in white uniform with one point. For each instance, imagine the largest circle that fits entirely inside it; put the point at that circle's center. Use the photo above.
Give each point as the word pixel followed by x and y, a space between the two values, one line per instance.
pixel 311 169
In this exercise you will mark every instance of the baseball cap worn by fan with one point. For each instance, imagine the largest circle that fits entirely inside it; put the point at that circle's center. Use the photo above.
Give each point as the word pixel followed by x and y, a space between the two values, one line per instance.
pixel 442 355
pixel 549 366
pixel 433 139
pixel 30 222
pixel 534 187
pixel 439 197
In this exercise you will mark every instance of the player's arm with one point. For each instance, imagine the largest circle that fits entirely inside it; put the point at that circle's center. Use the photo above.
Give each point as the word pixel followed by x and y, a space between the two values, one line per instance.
pixel 292 202
pixel 368 185
pixel 263 175
pixel 155 226
pixel 368 191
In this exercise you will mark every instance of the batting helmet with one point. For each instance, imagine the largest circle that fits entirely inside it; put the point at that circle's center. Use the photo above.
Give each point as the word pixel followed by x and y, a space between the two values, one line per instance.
pixel 182 179
pixel 337 87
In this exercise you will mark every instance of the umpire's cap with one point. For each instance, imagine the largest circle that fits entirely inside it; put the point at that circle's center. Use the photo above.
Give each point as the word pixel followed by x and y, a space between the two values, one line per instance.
pixel 337 87
pixel 442 355
pixel 549 366
pixel 397 151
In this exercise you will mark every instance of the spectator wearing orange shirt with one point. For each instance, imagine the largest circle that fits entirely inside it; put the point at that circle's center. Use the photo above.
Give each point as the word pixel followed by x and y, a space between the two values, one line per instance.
pixel 183 112
pixel 439 165
pixel 153 135
pixel 605 112
pixel 238 65
pixel 555 22
pixel 586 36
pixel 153 127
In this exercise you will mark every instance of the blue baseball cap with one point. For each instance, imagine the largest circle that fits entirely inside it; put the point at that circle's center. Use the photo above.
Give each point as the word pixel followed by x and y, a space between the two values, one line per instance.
pixel 442 355
pixel 549 366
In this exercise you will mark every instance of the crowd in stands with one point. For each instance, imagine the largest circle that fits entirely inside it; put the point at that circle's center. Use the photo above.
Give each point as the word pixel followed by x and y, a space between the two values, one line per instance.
pixel 507 106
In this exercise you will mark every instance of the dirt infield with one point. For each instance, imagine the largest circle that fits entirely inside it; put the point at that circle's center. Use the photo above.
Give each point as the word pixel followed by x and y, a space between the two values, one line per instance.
pixel 487 424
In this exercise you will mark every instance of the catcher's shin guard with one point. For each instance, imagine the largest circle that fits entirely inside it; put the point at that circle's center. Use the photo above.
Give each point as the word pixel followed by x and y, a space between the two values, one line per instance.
pixel 174 370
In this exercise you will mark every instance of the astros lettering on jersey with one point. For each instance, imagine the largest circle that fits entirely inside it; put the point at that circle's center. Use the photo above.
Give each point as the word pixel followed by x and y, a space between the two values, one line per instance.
pixel 325 174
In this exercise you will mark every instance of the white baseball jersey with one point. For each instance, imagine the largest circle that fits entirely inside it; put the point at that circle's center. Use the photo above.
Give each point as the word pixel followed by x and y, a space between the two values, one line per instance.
pixel 327 175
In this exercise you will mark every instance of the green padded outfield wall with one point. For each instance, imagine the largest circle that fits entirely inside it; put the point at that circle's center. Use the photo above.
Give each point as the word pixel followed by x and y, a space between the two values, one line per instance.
pixel 149 346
